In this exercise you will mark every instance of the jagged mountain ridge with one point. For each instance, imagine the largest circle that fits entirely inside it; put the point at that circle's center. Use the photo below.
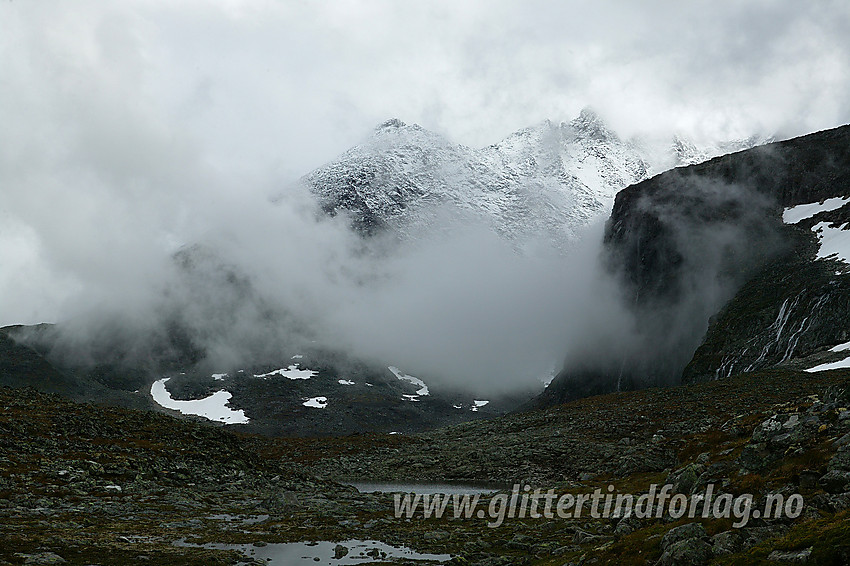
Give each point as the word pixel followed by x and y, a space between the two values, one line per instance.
pixel 685 152
pixel 548 180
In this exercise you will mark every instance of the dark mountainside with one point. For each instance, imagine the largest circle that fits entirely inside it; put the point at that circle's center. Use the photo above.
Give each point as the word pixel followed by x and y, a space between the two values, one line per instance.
pixel 710 270
pixel 372 399
pixel 115 361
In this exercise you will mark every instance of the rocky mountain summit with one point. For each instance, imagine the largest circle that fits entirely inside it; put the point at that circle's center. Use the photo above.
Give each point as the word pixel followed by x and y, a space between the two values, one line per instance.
pixel 548 180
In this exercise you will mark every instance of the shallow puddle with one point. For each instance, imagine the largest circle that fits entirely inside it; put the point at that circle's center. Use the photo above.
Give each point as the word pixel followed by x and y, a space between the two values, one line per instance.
pixel 356 552
pixel 449 488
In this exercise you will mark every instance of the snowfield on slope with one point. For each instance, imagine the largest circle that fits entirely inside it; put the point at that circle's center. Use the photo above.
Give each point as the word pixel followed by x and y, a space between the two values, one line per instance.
pixel 834 241
pixel 292 372
pixel 213 407
pixel 315 402
pixel 795 214
pixel 423 389
pixel 845 363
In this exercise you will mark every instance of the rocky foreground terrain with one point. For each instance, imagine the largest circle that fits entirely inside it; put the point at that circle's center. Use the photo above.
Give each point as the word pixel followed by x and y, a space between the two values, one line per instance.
pixel 88 484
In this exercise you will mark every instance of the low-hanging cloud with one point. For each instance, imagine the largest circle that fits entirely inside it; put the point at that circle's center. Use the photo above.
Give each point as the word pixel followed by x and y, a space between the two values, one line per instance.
pixel 122 227
pixel 679 249
pixel 458 304
pixel 136 130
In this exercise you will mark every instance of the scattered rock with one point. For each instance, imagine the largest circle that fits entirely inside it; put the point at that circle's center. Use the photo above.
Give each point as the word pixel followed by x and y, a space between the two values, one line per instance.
pixel 436 535
pixel 43 558
pixel 791 557
pixel 684 532
pixel 684 479
pixel 691 552
pixel 835 481
pixel 340 551
pixel 627 525
pixel 837 478
pixel 727 542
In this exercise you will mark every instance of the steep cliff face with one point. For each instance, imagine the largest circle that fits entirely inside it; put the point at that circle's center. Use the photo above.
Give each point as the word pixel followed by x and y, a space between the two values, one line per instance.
pixel 794 311
pixel 725 270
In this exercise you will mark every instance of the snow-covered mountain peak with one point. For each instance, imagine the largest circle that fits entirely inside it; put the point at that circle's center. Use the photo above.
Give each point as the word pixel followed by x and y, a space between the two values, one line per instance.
pixel 544 181
pixel 590 124
pixel 683 152
pixel 391 123
pixel 397 140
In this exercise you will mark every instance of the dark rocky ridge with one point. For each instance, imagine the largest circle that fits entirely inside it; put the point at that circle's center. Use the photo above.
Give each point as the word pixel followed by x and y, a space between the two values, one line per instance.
pixel 374 401
pixel 214 321
pixel 687 242
pixel 22 365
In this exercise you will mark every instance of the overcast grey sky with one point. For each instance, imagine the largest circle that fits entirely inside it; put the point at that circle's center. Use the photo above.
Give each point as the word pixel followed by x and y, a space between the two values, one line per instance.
pixel 288 85
pixel 127 127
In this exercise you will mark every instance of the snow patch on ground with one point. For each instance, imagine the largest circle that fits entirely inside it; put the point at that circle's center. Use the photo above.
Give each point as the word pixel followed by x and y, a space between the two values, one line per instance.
pixel 478 404
pixel 297 357
pixel 410 397
pixel 345 382
pixel 219 376
pixel 316 402
pixel 841 364
pixel 845 363
pixel 213 407
pixel 548 378
pixel 834 242
pixel 423 389
pixel 292 372
pixel 795 214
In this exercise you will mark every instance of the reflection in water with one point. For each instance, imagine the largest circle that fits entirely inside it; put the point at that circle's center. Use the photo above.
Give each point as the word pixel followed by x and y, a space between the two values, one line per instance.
pixel 449 488
pixel 346 552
